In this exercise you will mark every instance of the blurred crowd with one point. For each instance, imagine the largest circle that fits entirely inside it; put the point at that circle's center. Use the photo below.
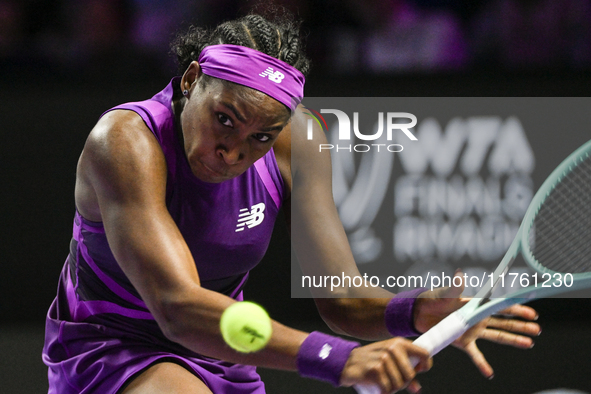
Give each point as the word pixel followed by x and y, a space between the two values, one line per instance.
pixel 344 36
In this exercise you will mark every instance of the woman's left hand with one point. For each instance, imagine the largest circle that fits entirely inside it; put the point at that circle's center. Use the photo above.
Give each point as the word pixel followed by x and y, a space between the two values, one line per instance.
pixel 514 330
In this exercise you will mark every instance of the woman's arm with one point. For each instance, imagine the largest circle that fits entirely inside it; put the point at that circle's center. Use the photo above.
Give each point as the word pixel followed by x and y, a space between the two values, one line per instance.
pixel 319 240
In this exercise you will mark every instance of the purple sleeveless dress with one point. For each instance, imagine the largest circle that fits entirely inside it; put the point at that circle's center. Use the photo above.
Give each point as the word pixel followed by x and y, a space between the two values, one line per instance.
pixel 99 332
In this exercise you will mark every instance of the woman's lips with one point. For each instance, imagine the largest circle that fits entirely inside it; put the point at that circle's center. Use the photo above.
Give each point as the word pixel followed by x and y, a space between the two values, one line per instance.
pixel 217 174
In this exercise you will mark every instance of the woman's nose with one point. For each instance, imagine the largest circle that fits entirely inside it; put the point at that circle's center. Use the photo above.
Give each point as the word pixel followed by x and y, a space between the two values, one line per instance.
pixel 231 151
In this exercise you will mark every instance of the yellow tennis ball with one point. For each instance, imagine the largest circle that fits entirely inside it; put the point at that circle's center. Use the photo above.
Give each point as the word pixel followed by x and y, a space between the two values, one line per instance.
pixel 246 327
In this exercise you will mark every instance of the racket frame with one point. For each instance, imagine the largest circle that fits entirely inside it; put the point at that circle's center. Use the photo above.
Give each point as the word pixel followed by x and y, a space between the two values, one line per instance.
pixel 483 305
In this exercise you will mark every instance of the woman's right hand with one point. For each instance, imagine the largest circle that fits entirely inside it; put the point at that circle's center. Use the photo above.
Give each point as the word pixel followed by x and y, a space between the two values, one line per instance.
pixel 386 365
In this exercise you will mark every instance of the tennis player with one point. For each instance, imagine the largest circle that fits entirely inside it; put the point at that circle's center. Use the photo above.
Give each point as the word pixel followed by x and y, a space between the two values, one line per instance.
pixel 176 199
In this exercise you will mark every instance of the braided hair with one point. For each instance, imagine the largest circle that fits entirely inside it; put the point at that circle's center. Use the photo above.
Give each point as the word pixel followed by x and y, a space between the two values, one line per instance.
pixel 280 39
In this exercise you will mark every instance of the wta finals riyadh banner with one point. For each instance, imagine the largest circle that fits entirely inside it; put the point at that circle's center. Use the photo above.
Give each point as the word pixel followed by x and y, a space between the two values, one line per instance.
pixel 426 186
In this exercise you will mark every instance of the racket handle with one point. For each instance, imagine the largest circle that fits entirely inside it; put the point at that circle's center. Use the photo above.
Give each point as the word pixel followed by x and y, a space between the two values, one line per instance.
pixel 434 340
pixel 366 389
pixel 441 335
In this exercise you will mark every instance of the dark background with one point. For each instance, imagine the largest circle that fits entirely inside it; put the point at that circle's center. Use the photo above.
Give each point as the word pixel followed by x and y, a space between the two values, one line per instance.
pixel 62 63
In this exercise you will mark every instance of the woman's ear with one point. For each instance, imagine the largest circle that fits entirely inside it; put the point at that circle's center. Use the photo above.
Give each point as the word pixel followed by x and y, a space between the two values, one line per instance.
pixel 190 77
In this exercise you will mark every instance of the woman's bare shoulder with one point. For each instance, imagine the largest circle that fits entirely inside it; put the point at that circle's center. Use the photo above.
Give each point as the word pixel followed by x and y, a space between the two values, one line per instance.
pixel 119 155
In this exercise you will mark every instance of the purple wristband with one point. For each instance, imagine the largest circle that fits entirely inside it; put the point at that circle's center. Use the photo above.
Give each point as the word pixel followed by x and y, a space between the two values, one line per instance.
pixel 323 357
pixel 399 313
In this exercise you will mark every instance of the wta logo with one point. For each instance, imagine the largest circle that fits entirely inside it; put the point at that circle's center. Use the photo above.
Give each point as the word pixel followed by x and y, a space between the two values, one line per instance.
pixel 391 122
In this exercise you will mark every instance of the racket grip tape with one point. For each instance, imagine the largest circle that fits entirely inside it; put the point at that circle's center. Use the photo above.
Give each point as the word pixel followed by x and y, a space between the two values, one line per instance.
pixel 441 335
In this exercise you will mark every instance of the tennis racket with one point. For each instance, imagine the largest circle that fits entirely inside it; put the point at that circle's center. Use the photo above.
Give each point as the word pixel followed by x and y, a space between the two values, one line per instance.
pixel 555 241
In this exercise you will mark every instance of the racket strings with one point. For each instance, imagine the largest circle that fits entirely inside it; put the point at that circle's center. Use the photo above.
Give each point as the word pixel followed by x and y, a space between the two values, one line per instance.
pixel 569 246
pixel 569 234
pixel 560 238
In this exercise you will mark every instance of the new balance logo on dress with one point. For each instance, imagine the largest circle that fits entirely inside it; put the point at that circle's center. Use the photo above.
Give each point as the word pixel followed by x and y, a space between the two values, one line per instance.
pixel 275 76
pixel 251 218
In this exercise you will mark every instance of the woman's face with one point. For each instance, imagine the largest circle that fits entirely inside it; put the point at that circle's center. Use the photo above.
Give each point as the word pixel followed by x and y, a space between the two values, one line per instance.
pixel 227 127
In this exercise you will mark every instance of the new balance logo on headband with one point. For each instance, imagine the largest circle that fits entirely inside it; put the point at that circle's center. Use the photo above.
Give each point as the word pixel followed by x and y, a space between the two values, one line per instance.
pixel 252 218
pixel 275 76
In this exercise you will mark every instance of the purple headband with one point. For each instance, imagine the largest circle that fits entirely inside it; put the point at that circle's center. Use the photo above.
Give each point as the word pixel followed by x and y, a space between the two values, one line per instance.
pixel 249 67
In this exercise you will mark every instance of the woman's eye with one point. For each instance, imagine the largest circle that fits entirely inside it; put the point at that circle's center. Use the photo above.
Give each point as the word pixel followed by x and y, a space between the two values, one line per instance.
pixel 262 137
pixel 226 121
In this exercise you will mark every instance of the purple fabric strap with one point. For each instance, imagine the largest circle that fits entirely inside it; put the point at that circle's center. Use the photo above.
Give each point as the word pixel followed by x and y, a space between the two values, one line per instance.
pixel 108 281
pixel 252 68
pixel 399 313
pixel 265 176
pixel 80 310
pixel 323 357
